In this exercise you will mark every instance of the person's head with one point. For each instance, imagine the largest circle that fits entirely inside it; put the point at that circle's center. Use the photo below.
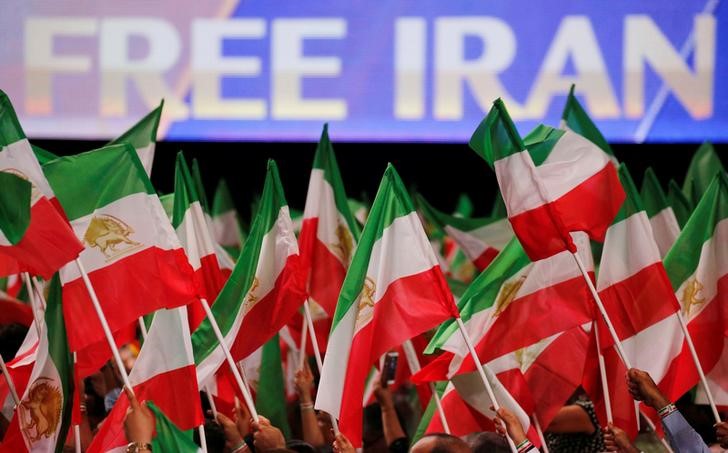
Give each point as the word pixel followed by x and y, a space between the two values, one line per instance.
pixel 488 442
pixel 440 443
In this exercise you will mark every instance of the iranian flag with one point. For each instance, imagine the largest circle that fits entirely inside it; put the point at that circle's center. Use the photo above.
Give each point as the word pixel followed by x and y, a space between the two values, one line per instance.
pixel 680 204
pixel 393 291
pixel 143 137
pixel 479 238
pixel 132 256
pixel 168 437
pixel 189 222
pixel 329 232
pixel 662 218
pixel 227 226
pixel 164 372
pixel 697 265
pixel 575 188
pixel 34 235
pixel 19 369
pixel 263 292
pixel 42 420
pixel 575 119
pixel 704 165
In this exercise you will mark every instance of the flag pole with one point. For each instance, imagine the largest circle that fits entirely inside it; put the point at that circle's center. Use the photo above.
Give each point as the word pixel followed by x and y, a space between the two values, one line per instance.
pixel 143 328
pixel 302 346
pixel 9 380
pixel 77 438
pixel 39 291
pixel 603 375
pixel 203 438
pixel 602 310
pixel 696 360
pixel 414 365
pixel 664 442
pixel 229 358
pixel 316 352
pixel 76 427
pixel 33 301
pixel 481 372
pixel 539 431
pixel 104 325
pixel 211 401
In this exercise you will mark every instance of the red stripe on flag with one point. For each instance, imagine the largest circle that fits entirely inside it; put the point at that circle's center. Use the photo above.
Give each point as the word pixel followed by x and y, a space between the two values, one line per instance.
pixel 485 258
pixel 324 270
pixel 210 279
pixel 15 312
pixel 134 286
pixel 637 302
pixel 590 207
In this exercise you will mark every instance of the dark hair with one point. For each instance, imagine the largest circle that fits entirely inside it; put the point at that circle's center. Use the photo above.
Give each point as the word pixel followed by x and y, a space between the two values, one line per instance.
pixel 445 443
pixel 488 442
pixel 11 337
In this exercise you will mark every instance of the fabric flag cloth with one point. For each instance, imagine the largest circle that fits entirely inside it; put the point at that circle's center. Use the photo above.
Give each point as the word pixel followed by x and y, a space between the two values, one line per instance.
pixel 263 292
pixel 164 372
pixel 697 265
pixel 639 300
pixel 189 222
pixel 264 372
pixel 393 291
pixel 575 188
pixel 227 226
pixel 479 238
pixel 14 311
pixel 662 217
pixel 682 207
pixel 704 165
pixel 133 257
pixel 168 437
pixel 42 420
pixel 34 235
pixel 143 137
pixel 575 119
pixel 19 369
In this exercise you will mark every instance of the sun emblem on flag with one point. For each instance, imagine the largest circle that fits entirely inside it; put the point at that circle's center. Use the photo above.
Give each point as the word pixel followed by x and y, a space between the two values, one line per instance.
pixel 344 244
pixel 110 235
pixel 691 295
pixel 365 306
pixel 34 192
pixel 251 299
pixel 507 294
pixel 40 410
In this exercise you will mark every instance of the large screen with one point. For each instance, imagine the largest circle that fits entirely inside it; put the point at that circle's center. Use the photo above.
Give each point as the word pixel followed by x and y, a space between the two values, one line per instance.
pixel 424 70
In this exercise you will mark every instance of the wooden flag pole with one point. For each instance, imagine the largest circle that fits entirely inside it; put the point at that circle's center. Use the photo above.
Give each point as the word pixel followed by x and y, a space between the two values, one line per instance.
pixel 211 401
pixel 9 380
pixel 414 365
pixel 696 360
pixel 77 438
pixel 104 325
pixel 603 375
pixel 143 328
pixel 203 438
pixel 602 310
pixel 539 431
pixel 481 372
pixel 229 358
pixel 302 346
pixel 316 352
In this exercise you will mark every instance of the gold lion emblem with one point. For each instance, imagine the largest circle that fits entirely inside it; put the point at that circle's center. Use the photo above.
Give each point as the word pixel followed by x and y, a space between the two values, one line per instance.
pixel 40 411
pixel 365 306
pixel 344 244
pixel 507 294
pixel 691 295
pixel 110 235
pixel 251 299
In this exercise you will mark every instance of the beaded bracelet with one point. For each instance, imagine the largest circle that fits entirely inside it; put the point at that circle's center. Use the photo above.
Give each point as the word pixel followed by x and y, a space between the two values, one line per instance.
pixel 524 446
pixel 306 406
pixel 667 410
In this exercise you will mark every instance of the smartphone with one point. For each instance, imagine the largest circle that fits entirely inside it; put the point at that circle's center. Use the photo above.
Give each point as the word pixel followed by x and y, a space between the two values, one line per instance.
pixel 390 368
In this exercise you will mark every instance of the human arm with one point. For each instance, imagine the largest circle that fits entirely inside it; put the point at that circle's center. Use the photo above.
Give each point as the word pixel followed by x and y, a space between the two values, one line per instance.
pixel 615 439
pixel 309 423
pixel 390 422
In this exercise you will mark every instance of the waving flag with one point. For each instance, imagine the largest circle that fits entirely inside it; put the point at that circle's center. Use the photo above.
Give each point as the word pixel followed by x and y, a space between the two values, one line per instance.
pixel 263 292
pixel 575 188
pixel 575 119
pixel 164 372
pixel 680 204
pixel 42 420
pixel 480 238
pixel 192 230
pixel 226 222
pixel 393 291
pixel 133 256
pixel 34 236
pixel 143 137
pixel 662 217
pixel 704 165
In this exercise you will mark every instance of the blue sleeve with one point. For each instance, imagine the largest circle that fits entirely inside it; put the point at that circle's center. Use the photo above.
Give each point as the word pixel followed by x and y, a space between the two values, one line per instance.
pixel 682 437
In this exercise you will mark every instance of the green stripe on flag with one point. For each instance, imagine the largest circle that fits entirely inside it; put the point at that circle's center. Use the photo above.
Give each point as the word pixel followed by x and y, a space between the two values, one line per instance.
pixel 684 256
pixel 681 206
pixel 184 191
pixel 496 136
pixel 325 160
pixel 10 129
pixel 199 186
pixel 704 165
pixel 144 131
pixel 170 438
pixel 168 204
pixel 222 201
pixel 632 201
pixel 653 197
pixel 14 206
pixel 482 292
pixel 43 156
pixel 91 180
pixel 270 398
pixel 440 219
pixel 540 141
pixel 578 121
pixel 228 302
pixel 392 201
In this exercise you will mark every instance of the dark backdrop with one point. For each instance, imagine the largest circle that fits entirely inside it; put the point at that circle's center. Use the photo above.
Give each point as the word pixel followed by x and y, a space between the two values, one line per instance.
pixel 439 171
